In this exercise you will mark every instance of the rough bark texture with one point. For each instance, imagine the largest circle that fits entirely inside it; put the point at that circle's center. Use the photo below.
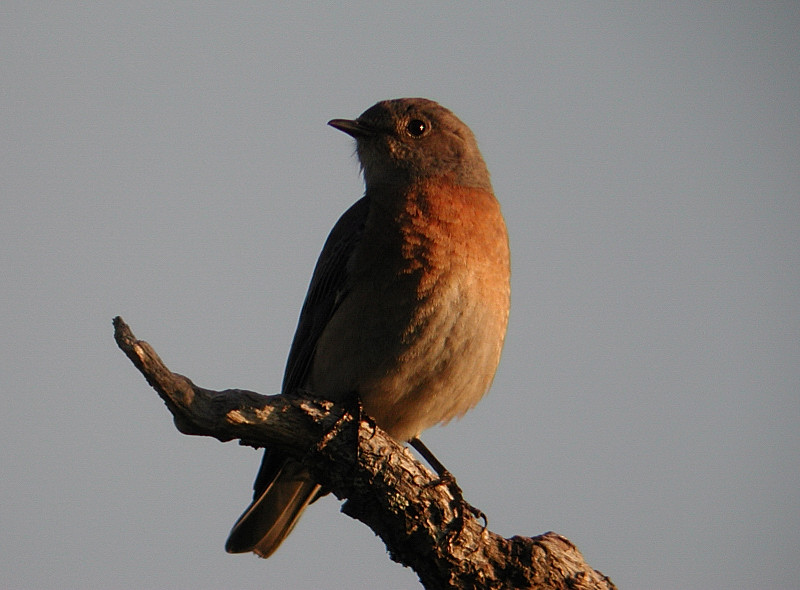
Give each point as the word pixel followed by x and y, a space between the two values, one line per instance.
pixel 385 487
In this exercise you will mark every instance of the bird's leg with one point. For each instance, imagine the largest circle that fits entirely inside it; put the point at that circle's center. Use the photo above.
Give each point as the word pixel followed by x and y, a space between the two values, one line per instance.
pixel 447 478
pixel 353 405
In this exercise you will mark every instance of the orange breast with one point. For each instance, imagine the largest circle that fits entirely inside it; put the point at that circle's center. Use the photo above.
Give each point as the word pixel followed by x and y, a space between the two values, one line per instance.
pixel 420 331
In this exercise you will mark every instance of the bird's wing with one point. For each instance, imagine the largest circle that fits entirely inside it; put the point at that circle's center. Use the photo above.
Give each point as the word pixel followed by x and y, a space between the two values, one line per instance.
pixel 328 287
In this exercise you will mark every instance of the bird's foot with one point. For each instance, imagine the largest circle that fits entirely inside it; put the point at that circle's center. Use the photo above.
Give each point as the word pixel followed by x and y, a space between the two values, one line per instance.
pixel 459 504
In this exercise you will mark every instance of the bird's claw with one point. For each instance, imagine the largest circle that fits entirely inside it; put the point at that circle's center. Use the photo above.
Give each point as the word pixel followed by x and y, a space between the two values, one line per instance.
pixel 459 504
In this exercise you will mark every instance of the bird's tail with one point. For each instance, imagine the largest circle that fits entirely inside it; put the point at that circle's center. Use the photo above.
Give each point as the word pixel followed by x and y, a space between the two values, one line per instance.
pixel 283 489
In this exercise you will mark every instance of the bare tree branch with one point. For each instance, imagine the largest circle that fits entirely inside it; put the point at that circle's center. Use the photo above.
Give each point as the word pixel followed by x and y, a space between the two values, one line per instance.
pixel 385 487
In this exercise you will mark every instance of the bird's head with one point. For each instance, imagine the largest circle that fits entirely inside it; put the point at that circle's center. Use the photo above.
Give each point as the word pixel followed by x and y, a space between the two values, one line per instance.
pixel 407 140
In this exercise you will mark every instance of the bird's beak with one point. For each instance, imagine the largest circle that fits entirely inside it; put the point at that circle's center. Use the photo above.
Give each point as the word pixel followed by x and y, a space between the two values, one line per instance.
pixel 352 127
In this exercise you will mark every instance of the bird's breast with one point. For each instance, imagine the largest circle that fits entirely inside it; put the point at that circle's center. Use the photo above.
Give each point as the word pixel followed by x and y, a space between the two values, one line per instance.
pixel 419 332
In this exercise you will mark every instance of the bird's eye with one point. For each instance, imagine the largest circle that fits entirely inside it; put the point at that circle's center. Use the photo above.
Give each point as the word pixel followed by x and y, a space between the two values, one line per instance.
pixel 416 127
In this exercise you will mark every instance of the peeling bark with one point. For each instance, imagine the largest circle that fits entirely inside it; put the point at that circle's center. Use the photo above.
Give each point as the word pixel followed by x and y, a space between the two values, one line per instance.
pixel 422 521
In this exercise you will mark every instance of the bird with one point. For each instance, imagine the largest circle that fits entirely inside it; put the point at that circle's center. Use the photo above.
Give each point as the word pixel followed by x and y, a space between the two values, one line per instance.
pixel 408 303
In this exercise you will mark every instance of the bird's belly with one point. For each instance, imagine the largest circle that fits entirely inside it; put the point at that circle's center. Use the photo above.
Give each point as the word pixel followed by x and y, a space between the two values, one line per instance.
pixel 414 361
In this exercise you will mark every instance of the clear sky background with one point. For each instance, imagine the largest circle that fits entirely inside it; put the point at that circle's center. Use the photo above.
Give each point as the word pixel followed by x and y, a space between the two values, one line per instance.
pixel 170 162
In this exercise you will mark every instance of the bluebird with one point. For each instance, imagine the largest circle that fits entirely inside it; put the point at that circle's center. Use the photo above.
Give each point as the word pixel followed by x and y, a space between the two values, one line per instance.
pixel 408 303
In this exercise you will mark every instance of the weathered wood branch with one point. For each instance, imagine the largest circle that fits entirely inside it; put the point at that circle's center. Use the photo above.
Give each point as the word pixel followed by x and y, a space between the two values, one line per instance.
pixel 385 487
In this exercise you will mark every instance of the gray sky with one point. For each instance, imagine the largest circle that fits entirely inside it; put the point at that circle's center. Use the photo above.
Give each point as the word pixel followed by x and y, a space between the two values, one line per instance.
pixel 170 163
